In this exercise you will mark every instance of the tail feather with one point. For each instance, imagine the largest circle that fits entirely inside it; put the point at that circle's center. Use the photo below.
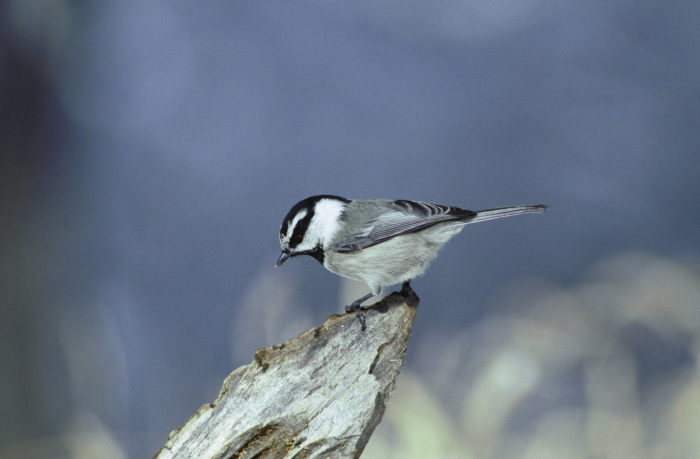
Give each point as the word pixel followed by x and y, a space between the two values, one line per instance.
pixel 501 212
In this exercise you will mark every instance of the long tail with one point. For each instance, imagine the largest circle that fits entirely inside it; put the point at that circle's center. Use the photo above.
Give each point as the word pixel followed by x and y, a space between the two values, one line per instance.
pixel 501 212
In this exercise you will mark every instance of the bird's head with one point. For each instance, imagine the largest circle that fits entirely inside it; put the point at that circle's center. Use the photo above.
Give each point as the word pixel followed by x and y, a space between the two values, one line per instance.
pixel 309 224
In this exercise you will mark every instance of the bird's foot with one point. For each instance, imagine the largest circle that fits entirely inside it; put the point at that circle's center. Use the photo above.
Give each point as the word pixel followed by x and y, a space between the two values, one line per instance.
pixel 358 312
pixel 357 309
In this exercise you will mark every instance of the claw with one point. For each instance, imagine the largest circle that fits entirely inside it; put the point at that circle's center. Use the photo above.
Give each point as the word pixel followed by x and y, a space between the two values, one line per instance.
pixel 355 306
pixel 361 317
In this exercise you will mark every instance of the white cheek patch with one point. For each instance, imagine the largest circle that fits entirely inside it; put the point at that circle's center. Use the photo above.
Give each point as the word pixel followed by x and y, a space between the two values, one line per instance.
pixel 326 219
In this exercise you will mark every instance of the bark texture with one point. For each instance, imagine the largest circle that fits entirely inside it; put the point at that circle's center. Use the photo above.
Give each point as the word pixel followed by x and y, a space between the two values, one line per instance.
pixel 320 394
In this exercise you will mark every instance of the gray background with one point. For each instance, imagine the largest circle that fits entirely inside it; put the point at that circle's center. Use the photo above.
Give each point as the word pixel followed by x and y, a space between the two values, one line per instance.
pixel 150 152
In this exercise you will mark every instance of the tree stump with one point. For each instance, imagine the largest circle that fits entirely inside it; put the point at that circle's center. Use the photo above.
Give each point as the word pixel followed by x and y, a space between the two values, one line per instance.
pixel 320 394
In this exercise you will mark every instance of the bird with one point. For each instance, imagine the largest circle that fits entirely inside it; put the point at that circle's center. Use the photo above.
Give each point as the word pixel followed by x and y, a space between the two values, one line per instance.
pixel 380 242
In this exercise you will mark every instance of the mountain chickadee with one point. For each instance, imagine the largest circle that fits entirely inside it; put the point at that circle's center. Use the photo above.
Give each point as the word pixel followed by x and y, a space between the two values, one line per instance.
pixel 377 241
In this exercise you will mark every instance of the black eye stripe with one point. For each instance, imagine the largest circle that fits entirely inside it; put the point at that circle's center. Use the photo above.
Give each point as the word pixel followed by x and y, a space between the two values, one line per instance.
pixel 300 229
pixel 302 225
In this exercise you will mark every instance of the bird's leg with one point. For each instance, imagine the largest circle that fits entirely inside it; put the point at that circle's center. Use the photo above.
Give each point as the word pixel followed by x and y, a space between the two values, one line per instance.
pixel 355 306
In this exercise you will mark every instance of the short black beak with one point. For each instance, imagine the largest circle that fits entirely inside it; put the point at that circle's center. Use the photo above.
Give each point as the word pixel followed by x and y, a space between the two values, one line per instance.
pixel 281 259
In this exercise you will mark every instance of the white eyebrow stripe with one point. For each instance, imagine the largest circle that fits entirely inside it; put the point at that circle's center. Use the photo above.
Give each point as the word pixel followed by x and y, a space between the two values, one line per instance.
pixel 290 230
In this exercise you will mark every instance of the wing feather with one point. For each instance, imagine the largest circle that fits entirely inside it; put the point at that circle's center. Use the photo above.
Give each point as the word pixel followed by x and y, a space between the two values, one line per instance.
pixel 397 218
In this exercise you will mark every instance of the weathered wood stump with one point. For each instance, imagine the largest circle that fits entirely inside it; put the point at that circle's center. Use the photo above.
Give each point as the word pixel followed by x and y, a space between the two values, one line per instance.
pixel 320 394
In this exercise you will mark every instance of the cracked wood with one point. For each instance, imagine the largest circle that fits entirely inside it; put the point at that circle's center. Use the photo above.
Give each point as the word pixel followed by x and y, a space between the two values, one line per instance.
pixel 320 394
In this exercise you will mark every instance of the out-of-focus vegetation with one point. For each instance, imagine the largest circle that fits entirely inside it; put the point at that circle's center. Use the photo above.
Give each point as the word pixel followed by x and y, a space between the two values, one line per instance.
pixel 606 367
pixel 148 151
pixel 603 368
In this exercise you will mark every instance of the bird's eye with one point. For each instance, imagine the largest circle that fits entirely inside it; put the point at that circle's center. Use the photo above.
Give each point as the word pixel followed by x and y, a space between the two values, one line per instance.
pixel 296 239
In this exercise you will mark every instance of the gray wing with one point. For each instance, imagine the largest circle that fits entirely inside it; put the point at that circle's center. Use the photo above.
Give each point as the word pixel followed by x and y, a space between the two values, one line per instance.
pixel 397 218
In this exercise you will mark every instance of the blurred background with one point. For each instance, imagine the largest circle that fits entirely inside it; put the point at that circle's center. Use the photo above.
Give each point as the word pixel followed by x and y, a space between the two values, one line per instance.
pixel 150 151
